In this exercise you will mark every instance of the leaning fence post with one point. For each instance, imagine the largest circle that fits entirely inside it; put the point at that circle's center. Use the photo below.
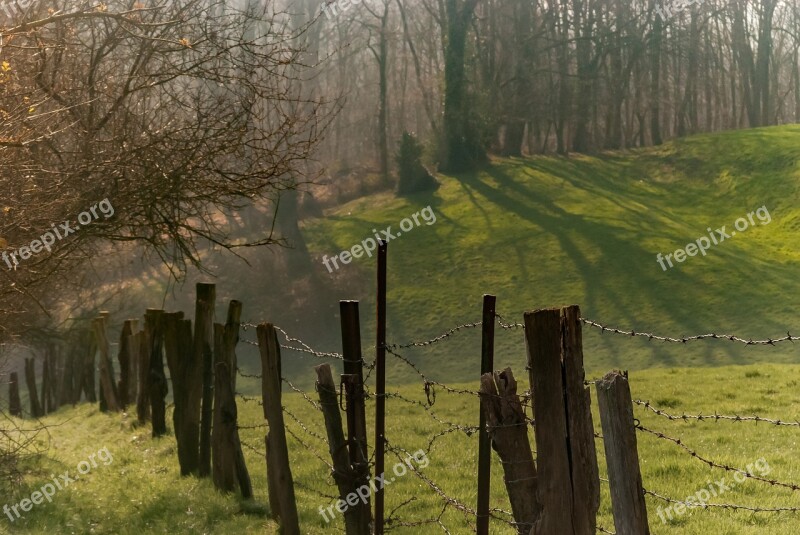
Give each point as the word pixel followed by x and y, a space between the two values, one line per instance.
pixel 508 429
pixel 622 456
pixel 343 474
pixel 484 441
pixel 278 467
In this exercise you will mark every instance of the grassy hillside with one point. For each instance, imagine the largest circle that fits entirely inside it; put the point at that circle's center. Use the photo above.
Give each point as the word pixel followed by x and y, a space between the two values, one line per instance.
pixel 549 231
pixel 141 492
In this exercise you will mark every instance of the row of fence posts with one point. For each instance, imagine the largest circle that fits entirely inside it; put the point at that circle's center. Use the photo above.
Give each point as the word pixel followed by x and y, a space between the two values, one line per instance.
pixel 557 492
pixel 66 378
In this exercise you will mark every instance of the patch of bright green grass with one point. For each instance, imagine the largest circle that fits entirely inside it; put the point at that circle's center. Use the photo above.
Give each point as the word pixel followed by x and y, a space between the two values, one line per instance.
pixel 141 492
pixel 548 231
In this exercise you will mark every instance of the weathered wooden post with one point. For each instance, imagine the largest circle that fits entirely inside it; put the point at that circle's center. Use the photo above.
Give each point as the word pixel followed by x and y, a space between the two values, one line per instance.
pixel 228 464
pixel 99 326
pixel 508 429
pixel 279 473
pixel 622 455
pixel 204 360
pixel 125 365
pixel 353 384
pixel 569 487
pixel 154 320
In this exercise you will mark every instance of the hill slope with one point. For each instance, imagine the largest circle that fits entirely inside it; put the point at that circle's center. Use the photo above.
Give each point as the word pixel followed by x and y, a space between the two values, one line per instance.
pixel 547 231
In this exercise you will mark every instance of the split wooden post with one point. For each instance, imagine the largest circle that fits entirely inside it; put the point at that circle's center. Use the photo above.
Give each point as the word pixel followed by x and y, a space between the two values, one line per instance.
pixel 14 403
pixel 622 455
pixel 47 404
pixel 279 473
pixel 569 487
pixel 204 360
pixel 507 427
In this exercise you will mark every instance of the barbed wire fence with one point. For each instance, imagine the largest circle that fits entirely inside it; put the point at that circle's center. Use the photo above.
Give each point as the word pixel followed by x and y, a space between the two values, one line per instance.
pixel 447 506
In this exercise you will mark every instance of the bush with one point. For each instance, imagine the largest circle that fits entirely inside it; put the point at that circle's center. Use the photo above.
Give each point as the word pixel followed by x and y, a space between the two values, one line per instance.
pixel 414 178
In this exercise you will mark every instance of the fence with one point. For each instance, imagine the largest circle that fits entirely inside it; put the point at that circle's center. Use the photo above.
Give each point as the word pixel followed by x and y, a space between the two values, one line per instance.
pixel 552 484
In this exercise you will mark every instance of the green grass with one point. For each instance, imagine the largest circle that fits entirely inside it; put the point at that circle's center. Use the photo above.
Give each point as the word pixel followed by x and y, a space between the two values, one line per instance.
pixel 548 231
pixel 142 492
pixel 537 232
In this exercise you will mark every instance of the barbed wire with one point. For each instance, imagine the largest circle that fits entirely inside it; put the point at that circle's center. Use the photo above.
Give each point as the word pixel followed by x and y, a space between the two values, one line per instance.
pixel 446 334
pixel 730 506
pixel 684 339
pixel 713 464
pixel 714 417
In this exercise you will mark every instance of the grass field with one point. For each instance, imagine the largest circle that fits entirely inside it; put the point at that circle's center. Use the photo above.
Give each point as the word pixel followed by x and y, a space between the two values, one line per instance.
pixel 141 490
pixel 549 231
pixel 538 232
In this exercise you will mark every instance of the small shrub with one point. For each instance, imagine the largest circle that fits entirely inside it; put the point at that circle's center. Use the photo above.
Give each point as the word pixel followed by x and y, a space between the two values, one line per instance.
pixel 414 178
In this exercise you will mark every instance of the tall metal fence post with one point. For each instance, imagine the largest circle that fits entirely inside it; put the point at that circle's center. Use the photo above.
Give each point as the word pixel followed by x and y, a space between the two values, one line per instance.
pixel 380 385
pixel 484 441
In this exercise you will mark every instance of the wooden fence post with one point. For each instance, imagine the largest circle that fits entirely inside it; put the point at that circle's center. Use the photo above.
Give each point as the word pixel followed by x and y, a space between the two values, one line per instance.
pixel 568 481
pixel 135 342
pixel 125 366
pixel 143 399
pixel 278 468
pixel 30 379
pixel 343 473
pixel 584 474
pixel 56 371
pixel 175 349
pixel 228 467
pixel 204 360
pixel 622 456
pixel 99 326
pixel 88 381
pixel 508 429
pixel 14 403
pixel 46 403
pixel 484 441
pixel 157 379
pixel 353 383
